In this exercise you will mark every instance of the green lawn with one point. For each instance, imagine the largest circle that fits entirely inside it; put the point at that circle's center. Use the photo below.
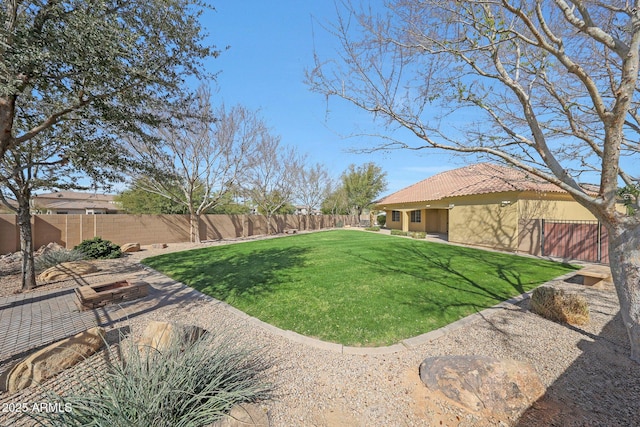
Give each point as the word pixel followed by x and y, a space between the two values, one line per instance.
pixel 353 287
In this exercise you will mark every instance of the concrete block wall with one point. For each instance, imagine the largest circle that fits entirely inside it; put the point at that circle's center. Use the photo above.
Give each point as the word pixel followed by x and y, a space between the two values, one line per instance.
pixel 69 230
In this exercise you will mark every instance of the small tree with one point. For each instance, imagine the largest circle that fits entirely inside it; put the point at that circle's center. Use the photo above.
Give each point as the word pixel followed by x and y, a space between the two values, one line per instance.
pixel 362 185
pixel 35 165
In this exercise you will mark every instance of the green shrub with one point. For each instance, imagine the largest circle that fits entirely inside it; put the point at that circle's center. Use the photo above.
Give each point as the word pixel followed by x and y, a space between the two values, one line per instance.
pixel 184 385
pixel 98 248
pixel 382 220
pixel 372 228
pixel 398 233
pixel 419 235
pixel 55 257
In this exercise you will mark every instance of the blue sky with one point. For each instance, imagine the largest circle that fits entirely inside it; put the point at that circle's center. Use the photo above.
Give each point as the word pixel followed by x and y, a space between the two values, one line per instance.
pixel 271 45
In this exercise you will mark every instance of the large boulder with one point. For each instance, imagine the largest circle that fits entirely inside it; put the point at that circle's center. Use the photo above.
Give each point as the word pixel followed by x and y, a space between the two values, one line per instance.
pixel 483 384
pixel 51 360
pixel 160 335
pixel 67 270
pixel 49 247
pixel 130 247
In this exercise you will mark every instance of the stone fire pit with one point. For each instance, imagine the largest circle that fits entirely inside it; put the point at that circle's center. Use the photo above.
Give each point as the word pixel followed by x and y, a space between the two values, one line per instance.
pixel 93 296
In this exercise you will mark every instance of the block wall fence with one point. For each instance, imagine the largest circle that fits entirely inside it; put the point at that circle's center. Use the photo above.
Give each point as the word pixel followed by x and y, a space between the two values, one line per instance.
pixel 69 230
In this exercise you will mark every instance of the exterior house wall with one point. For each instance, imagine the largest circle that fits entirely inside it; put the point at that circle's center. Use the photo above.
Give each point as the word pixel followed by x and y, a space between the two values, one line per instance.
pixel 66 211
pixel 494 206
pixel 485 220
pixel 437 220
pixel 390 223
pixel 561 207
pixel 532 208
pixel 434 218
pixel 418 226
pixel 507 221
pixel 431 221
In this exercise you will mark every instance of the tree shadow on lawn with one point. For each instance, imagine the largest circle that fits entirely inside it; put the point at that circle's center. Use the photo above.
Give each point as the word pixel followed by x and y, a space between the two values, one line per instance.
pixel 224 276
pixel 450 268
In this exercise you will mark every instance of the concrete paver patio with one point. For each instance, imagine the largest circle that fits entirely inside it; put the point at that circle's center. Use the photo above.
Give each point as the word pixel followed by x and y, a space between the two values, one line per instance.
pixel 34 319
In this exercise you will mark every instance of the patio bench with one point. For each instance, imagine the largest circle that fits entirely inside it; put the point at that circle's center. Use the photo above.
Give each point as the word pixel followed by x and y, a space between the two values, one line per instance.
pixel 593 277
pixel 290 230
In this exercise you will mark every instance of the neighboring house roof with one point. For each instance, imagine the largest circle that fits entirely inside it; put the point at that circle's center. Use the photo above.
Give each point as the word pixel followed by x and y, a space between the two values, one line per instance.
pixel 68 200
pixel 482 178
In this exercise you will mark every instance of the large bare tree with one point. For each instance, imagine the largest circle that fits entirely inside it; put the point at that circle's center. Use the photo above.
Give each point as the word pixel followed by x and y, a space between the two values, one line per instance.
pixel 271 180
pixel 550 87
pixel 313 185
pixel 199 158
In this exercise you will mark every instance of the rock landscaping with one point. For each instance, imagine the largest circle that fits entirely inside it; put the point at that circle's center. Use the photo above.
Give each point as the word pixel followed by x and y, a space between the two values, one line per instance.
pixel 130 247
pixel 586 374
pixel 492 386
pixel 67 270
pixel 158 335
pixel 51 360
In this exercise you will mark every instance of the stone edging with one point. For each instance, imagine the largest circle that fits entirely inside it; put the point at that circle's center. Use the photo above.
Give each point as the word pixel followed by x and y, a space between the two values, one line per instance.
pixel 406 344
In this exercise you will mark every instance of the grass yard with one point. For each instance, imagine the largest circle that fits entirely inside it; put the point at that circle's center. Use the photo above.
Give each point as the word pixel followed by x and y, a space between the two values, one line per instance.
pixel 353 287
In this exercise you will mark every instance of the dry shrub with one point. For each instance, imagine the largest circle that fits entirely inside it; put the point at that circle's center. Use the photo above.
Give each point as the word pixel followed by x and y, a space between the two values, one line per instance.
pixel 560 306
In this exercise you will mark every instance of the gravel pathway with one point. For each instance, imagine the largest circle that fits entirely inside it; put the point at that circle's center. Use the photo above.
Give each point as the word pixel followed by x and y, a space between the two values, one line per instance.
pixel 589 377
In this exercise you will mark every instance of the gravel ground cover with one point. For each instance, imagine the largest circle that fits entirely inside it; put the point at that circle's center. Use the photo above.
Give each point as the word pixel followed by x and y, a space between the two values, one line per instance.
pixel 589 378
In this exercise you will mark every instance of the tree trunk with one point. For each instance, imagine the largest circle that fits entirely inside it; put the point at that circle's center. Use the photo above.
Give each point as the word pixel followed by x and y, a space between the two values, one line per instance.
pixel 194 227
pixel 624 259
pixel 269 224
pixel 26 245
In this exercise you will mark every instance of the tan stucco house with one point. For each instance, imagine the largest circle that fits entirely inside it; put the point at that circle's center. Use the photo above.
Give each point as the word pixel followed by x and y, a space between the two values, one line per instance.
pixel 72 202
pixel 483 204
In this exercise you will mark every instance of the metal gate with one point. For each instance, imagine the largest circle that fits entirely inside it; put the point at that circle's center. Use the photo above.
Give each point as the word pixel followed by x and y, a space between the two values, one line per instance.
pixel 579 240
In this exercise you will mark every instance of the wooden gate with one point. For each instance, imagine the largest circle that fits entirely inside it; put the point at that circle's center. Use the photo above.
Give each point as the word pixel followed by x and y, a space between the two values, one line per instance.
pixel 579 240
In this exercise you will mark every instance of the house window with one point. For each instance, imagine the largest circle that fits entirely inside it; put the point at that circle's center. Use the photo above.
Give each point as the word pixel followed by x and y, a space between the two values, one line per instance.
pixel 416 216
pixel 395 216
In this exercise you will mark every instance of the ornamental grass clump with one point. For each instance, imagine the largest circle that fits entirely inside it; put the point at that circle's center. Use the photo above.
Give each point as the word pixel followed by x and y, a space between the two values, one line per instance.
pixel 560 306
pixel 52 258
pixel 185 384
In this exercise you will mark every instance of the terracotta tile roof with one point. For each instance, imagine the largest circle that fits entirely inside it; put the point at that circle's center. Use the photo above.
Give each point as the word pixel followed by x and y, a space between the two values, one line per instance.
pixel 482 178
